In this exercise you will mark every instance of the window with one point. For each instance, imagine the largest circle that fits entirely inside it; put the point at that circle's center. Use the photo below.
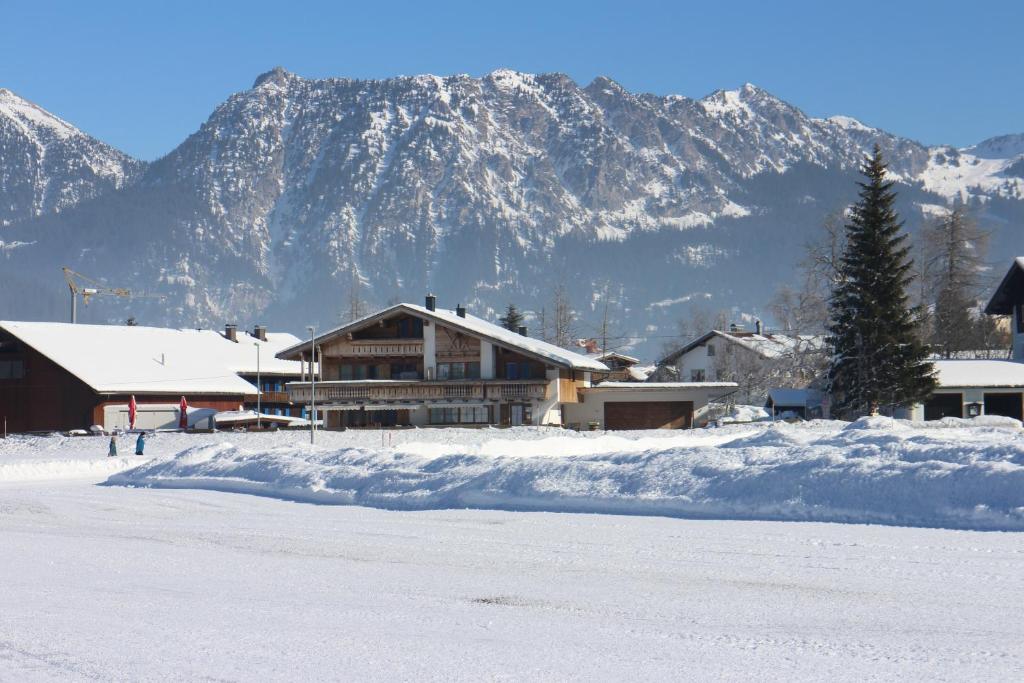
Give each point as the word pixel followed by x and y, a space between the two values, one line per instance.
pixel 511 370
pixel 472 370
pixel 444 370
pixel 711 349
pixel 404 371
pixel 1020 318
pixel 465 415
pixel 12 369
pixel 458 371
pixel 346 372
pixel 697 375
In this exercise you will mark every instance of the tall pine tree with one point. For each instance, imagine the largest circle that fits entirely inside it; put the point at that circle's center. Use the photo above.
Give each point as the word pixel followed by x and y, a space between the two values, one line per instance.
pixel 878 356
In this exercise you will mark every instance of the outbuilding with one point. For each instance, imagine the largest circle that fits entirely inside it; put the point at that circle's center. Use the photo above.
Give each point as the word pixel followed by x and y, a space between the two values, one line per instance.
pixel 645 405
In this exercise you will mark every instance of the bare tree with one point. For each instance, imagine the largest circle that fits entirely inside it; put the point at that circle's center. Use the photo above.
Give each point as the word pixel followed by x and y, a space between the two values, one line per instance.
pixel 357 306
pixel 954 274
pixel 563 319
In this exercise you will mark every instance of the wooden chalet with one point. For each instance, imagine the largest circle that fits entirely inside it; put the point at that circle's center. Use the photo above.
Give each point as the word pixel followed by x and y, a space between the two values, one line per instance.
pixel 423 365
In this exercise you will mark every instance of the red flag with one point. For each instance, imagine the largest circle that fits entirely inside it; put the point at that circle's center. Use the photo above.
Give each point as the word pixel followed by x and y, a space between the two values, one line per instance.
pixel 132 409
pixel 183 409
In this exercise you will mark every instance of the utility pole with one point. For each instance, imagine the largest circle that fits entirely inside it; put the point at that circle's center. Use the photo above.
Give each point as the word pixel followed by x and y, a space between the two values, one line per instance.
pixel 312 384
pixel 259 390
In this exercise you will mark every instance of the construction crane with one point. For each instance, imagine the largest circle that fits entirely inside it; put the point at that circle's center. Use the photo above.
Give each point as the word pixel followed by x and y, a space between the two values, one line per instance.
pixel 86 287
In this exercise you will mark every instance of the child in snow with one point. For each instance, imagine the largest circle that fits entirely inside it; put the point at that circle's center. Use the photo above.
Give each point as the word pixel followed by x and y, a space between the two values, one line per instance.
pixel 112 452
pixel 140 443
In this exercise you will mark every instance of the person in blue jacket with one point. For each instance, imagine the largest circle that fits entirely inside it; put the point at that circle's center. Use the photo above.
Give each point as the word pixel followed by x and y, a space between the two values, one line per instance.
pixel 140 443
pixel 112 450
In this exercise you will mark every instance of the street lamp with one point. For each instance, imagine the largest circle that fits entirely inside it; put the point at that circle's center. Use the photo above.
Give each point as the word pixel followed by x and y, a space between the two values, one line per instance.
pixel 259 390
pixel 312 384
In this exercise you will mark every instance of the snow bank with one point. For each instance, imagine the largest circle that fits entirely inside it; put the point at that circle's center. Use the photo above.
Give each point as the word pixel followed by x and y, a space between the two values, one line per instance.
pixel 875 470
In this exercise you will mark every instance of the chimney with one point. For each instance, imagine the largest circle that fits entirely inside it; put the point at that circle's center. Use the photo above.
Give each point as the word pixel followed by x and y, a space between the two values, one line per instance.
pixel 522 330
pixel 231 332
pixel 757 326
pixel 460 311
pixel 431 302
pixel 260 332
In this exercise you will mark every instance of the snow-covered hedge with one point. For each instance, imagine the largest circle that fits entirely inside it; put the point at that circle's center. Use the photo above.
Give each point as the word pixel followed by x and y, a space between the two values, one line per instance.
pixel 875 470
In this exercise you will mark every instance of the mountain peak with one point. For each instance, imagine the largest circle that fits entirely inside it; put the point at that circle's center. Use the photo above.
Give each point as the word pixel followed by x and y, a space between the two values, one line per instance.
pixel 278 76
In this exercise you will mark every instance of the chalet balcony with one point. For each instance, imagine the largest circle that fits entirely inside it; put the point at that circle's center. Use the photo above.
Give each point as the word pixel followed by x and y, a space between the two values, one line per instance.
pixel 404 390
pixel 376 348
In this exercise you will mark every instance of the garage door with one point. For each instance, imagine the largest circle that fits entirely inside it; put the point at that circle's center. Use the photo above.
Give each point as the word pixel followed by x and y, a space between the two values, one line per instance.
pixel 648 415
pixel 944 405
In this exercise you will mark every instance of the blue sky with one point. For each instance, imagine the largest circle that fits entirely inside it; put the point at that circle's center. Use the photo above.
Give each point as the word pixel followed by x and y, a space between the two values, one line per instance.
pixel 142 76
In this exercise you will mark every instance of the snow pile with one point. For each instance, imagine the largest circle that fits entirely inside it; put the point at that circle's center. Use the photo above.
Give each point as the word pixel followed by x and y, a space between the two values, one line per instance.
pixel 744 413
pixel 875 470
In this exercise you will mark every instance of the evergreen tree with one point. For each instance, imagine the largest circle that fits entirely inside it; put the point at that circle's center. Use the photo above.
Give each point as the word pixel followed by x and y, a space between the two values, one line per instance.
pixel 878 358
pixel 513 319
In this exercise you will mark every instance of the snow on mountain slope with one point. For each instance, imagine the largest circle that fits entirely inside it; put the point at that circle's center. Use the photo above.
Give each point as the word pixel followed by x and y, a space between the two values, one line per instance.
pixel 46 164
pixel 487 190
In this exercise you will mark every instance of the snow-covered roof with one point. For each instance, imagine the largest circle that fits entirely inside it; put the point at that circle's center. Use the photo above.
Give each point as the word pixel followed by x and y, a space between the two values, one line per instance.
pixel 979 373
pixel 475 326
pixel 121 359
pixel 660 386
pixel 765 345
pixel 785 396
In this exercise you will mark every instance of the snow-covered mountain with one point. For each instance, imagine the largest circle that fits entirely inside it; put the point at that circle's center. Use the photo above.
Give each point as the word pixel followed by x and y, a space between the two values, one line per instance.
pixel 489 190
pixel 47 165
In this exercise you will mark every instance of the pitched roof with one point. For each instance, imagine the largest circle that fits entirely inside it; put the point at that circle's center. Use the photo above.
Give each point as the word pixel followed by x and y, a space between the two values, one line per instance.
pixel 766 345
pixel 1009 291
pixel 120 359
pixel 979 373
pixel 473 325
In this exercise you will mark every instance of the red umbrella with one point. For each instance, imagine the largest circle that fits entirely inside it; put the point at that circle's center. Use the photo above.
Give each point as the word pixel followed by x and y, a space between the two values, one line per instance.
pixel 132 408
pixel 183 409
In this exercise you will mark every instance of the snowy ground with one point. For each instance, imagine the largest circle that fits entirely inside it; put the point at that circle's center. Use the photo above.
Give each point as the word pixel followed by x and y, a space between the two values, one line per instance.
pixel 119 583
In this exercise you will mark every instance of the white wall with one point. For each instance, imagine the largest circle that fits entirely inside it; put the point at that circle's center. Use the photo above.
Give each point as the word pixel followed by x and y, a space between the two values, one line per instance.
pixel 429 350
pixel 549 410
pixel 697 359
pixel 486 360
pixel 154 416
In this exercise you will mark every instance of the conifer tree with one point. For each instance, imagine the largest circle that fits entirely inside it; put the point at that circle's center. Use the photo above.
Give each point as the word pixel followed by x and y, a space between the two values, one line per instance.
pixel 878 357
pixel 512 320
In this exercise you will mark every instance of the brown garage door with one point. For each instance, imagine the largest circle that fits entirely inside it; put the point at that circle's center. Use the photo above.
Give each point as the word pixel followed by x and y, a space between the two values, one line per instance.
pixel 648 414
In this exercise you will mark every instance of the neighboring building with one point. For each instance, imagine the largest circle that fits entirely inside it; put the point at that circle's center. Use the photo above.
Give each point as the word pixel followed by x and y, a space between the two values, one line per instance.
pixel 1008 299
pixel 622 368
pixel 757 361
pixel 58 376
pixel 643 405
pixel 802 403
pixel 967 388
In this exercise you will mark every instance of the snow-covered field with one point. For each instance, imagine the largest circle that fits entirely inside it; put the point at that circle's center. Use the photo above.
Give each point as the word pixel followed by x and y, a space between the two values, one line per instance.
pixel 116 582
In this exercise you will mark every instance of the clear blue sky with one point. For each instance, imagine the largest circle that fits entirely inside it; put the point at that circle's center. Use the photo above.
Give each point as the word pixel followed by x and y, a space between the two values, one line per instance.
pixel 142 76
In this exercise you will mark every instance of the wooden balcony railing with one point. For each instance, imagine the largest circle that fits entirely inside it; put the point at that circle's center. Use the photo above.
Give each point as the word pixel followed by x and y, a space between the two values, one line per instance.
pixel 358 391
pixel 378 347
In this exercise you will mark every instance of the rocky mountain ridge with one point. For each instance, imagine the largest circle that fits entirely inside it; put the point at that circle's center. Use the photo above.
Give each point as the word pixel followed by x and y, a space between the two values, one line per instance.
pixel 298 192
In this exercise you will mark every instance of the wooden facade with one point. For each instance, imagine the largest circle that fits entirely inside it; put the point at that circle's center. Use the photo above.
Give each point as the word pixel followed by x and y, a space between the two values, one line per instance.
pixel 42 396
